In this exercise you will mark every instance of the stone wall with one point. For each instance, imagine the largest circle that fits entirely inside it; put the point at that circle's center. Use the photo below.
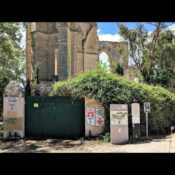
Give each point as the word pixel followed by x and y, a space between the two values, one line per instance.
pixel 82 47
pixel 13 110
pixel 94 123
pixel 74 45
pixel 117 52
pixel 44 42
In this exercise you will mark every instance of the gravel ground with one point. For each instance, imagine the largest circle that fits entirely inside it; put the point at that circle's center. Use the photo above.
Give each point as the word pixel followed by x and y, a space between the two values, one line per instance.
pixel 159 145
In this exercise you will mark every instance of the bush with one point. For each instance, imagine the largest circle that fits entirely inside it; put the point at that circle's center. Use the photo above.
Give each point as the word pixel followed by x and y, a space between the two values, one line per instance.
pixel 106 137
pixel 109 88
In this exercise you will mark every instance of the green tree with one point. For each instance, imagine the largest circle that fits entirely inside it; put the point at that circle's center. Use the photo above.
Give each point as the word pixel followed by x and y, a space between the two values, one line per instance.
pixel 12 55
pixel 152 53
pixel 119 69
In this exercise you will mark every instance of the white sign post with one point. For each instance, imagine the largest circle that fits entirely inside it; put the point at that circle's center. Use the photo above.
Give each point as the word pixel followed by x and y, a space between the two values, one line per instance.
pixel 118 123
pixel 147 109
pixel 135 108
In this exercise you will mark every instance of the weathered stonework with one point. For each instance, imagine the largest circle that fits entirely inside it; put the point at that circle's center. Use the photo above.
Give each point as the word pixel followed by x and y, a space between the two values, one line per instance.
pixel 131 73
pixel 93 129
pixel 117 52
pixel 44 88
pixel 61 49
pixel 13 89
pixel 13 110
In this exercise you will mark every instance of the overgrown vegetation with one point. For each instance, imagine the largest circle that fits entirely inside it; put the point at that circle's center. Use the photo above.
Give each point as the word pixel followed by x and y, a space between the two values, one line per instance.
pixel 31 86
pixel 109 88
pixel 12 55
pixel 152 53
pixel 119 69
pixel 106 137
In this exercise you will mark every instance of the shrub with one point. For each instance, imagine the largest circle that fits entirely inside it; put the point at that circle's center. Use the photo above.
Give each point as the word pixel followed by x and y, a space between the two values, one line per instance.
pixel 106 137
pixel 108 88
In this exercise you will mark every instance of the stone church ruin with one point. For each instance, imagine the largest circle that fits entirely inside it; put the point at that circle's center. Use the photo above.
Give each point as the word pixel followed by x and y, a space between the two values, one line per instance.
pixel 61 50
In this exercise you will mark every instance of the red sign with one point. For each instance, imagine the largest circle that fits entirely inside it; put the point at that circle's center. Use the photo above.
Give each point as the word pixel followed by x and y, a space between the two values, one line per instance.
pixel 99 121
pixel 90 112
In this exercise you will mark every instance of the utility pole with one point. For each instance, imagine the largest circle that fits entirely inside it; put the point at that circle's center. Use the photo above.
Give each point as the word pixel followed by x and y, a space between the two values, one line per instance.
pixel 147 125
pixel 147 110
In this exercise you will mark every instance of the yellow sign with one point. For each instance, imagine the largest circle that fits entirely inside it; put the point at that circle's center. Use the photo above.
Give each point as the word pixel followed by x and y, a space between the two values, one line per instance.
pixel 13 123
pixel 35 105
pixel 11 114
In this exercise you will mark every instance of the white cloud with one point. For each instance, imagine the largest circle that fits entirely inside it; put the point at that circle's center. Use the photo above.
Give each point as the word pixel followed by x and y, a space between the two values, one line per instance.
pixel 23 40
pixel 109 37
pixel 171 27
pixel 98 30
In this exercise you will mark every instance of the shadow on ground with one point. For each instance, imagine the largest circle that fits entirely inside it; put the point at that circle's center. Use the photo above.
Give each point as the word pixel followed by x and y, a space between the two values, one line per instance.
pixel 38 146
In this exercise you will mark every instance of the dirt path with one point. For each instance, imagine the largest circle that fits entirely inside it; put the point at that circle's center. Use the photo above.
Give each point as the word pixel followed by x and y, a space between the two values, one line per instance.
pixel 88 146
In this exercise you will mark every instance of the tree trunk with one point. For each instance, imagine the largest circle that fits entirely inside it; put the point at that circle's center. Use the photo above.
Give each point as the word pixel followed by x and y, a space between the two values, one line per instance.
pixel 28 53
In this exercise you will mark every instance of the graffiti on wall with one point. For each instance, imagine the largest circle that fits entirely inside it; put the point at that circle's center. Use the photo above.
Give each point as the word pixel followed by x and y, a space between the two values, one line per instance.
pixel 95 116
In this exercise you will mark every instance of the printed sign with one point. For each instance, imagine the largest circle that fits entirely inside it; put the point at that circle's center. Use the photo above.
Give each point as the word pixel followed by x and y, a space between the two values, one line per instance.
pixel 135 120
pixel 12 105
pixel 99 112
pixel 12 102
pixel 95 116
pixel 99 121
pixel 90 116
pixel 135 108
pixel 91 121
pixel 90 112
pixel 11 114
pixel 13 123
pixel 35 105
pixel 119 114
pixel 147 108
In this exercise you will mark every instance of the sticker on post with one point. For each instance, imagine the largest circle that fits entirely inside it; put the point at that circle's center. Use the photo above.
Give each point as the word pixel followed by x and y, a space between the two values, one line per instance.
pixel 135 120
pixel 35 105
pixel 147 107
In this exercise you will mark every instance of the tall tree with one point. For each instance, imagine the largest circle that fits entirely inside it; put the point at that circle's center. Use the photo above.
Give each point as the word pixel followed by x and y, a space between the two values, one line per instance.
pixel 153 53
pixel 12 55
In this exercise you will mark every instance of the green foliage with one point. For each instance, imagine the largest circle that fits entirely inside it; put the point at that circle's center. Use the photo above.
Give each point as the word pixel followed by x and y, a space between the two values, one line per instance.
pixel 119 69
pixel 108 88
pixel 12 55
pixel 32 88
pixel 106 137
pixel 152 53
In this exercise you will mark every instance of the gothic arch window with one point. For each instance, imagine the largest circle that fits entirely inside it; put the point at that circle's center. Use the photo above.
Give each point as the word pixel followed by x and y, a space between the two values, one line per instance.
pixel 104 59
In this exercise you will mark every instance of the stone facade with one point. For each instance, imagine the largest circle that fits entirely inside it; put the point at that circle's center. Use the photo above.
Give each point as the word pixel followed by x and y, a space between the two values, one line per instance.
pixel 13 110
pixel 117 52
pixel 63 50
pixel 93 129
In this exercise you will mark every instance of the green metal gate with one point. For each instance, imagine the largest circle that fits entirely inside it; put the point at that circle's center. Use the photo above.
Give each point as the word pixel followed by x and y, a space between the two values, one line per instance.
pixel 60 117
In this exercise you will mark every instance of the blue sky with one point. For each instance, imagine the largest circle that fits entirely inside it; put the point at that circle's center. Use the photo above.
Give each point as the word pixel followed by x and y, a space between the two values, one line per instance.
pixel 112 27
pixel 109 31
